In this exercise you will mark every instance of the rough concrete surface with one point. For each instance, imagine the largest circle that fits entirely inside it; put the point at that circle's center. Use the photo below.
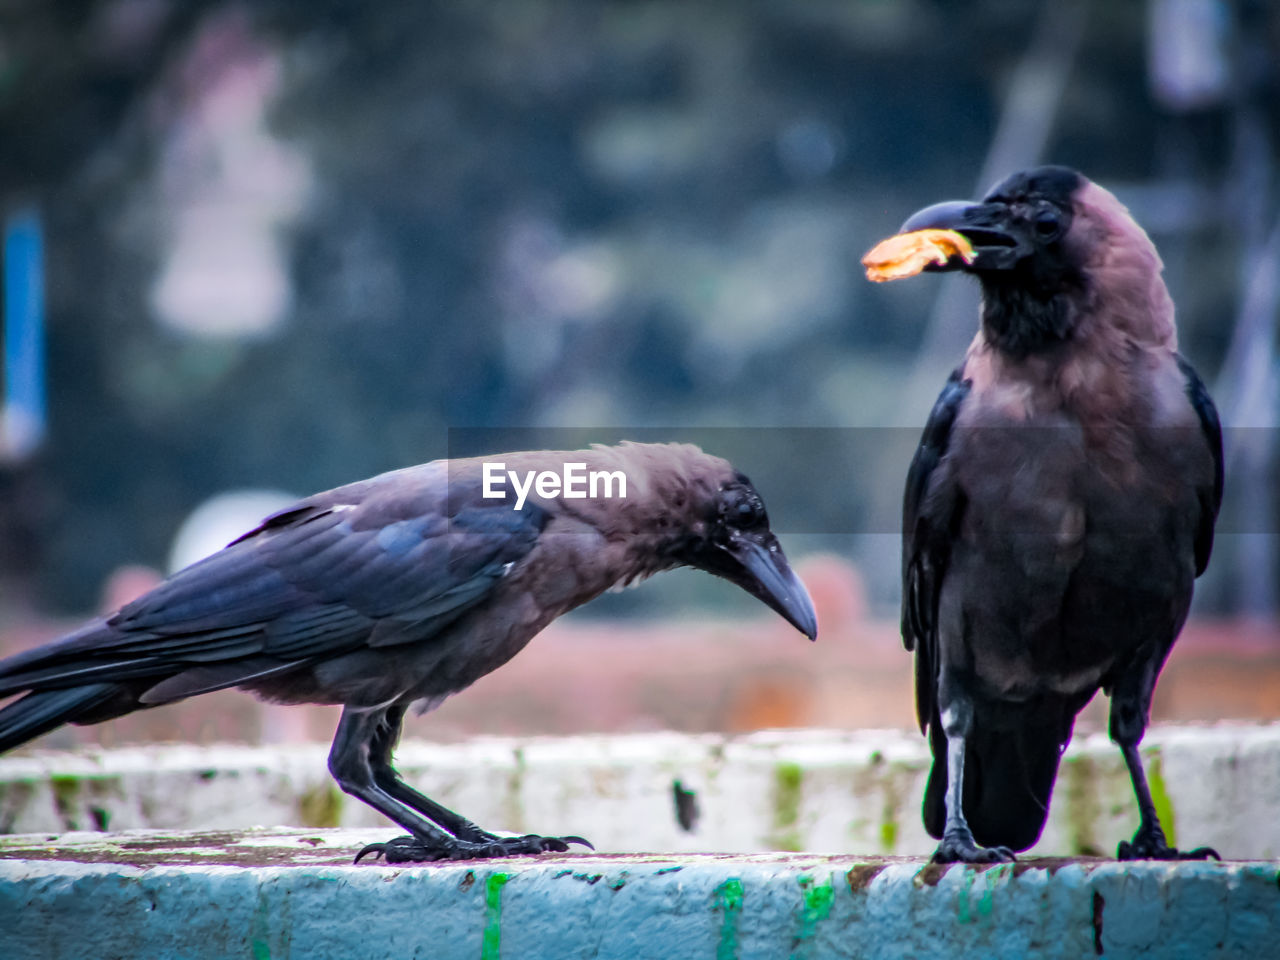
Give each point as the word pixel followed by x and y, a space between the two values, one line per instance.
pixel 294 894
pixel 839 792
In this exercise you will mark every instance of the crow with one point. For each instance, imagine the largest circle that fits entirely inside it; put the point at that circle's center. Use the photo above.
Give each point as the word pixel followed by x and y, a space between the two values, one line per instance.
pixel 1057 511
pixel 401 590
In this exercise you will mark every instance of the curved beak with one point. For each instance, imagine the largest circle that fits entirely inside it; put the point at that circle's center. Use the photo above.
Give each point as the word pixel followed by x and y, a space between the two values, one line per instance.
pixel 760 567
pixel 998 243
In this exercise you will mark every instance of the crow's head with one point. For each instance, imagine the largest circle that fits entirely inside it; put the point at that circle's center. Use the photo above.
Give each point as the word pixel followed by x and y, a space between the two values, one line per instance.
pixel 732 539
pixel 683 507
pixel 1053 249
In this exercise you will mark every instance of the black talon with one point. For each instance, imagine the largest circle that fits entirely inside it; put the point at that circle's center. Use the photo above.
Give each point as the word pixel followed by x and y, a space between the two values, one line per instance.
pixel 411 849
pixel 1201 853
pixel 376 850
pixel 1143 848
pixel 961 848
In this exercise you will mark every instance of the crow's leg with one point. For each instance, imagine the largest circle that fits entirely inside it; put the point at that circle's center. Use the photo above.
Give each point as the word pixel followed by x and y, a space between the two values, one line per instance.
pixel 360 763
pixel 349 763
pixel 388 779
pixel 958 845
pixel 1130 703
pixel 385 736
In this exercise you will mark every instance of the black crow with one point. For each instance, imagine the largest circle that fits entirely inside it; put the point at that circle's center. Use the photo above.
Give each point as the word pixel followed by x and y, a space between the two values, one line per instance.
pixel 401 590
pixel 1058 509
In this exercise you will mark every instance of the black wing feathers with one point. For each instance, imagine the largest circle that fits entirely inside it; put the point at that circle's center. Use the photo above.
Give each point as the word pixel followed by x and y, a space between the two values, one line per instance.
pixel 921 572
pixel 1210 500
pixel 928 519
pixel 317 580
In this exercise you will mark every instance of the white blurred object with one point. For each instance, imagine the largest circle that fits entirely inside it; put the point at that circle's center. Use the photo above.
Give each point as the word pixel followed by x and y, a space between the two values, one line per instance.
pixel 221 519
pixel 1187 53
pixel 228 188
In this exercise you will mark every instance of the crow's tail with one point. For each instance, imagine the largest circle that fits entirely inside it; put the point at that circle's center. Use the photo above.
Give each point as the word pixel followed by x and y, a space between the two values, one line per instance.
pixel 1008 780
pixel 41 711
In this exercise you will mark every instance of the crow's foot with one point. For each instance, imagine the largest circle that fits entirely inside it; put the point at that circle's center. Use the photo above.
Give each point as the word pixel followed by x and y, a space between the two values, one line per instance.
pixel 1151 845
pixel 413 850
pixel 961 848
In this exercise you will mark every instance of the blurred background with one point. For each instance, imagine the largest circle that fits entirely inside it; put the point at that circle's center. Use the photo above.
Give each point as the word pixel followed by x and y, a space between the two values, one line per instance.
pixel 255 250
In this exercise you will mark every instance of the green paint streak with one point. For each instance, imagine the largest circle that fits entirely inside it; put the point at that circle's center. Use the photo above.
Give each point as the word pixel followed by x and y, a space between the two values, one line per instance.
pixel 491 947
pixel 818 898
pixel 260 930
pixel 729 901
pixel 991 877
pixel 788 781
pixel 1160 796
pixel 962 900
pixel 321 806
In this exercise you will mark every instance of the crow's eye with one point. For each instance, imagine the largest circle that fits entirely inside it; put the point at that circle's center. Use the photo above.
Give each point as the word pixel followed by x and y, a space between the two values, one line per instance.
pixel 742 509
pixel 1046 224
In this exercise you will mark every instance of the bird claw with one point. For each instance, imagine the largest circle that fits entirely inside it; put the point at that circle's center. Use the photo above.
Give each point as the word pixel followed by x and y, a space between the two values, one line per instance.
pixel 410 849
pixel 1154 847
pixel 963 849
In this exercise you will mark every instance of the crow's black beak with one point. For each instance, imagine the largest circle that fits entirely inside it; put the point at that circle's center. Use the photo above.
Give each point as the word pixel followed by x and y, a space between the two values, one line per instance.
pixel 760 567
pixel 998 243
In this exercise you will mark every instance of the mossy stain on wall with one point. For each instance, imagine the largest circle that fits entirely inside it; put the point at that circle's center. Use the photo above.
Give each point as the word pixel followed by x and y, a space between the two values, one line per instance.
pixel 321 806
pixel 788 785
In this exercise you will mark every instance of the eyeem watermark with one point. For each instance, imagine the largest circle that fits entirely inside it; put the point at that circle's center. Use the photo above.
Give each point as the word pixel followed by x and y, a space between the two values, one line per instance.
pixel 574 482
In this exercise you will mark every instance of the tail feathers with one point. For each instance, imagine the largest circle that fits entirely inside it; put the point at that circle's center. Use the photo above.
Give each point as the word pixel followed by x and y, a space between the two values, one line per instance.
pixel 1008 780
pixel 79 674
pixel 40 712
pixel 69 648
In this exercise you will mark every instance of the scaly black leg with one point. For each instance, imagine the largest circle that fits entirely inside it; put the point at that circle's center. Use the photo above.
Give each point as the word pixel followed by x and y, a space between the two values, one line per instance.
pixel 360 762
pixel 958 845
pixel 386 777
pixel 1130 702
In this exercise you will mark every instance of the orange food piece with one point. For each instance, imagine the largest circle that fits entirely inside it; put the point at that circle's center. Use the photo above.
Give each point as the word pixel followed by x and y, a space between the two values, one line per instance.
pixel 906 254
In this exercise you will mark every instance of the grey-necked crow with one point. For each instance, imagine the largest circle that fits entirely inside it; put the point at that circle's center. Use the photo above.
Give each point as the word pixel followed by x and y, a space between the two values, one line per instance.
pixel 401 590
pixel 1060 505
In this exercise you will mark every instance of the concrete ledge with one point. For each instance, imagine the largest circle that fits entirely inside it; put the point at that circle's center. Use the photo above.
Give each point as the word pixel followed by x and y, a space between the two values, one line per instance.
pixel 841 792
pixel 294 894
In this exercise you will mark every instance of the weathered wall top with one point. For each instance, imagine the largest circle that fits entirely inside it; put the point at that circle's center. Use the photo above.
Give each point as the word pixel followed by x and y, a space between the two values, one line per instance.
pixel 840 792
pixel 293 894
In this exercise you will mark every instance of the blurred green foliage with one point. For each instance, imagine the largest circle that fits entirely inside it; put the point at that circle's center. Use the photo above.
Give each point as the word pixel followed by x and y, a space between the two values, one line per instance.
pixel 544 213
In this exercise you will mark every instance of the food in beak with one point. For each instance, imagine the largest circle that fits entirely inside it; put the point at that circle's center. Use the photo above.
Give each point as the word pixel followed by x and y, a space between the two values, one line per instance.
pixel 906 254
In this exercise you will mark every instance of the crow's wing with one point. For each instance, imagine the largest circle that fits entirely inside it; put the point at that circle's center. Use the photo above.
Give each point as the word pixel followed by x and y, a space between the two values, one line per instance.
pixel 389 560
pixel 1210 497
pixel 931 506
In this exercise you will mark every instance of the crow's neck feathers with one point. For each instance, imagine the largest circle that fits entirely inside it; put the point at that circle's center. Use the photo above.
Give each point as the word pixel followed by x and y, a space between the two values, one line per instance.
pixel 670 489
pixel 1019 319
pixel 1085 307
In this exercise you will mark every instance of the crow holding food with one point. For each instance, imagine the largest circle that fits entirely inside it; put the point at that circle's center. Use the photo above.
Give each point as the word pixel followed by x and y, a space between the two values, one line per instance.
pixel 1058 509
pixel 399 591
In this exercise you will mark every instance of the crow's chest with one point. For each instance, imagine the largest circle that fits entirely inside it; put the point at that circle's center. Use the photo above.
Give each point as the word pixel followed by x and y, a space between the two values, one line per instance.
pixel 1067 553
pixel 1044 497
